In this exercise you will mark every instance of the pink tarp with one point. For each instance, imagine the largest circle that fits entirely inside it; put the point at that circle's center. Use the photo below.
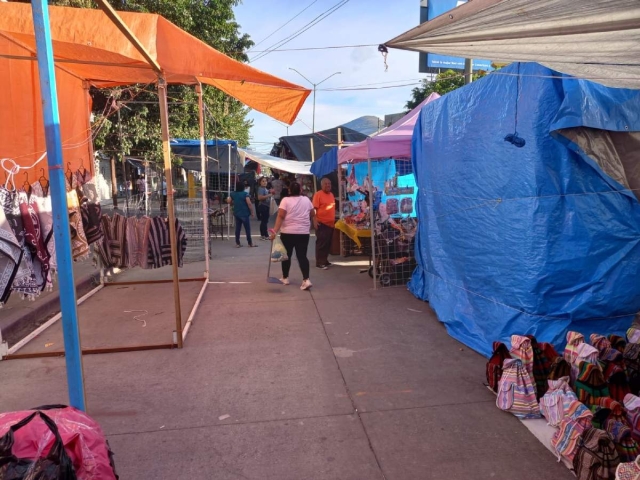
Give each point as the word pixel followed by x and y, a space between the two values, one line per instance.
pixel 392 142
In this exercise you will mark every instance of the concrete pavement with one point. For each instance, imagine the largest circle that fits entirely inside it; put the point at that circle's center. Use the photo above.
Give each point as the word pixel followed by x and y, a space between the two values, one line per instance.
pixel 341 382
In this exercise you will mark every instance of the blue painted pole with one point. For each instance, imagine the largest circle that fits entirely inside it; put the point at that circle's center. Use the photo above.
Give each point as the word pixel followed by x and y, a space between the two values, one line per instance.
pixel 61 231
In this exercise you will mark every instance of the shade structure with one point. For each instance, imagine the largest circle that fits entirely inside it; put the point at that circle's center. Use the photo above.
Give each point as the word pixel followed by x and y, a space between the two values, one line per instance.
pixel 90 50
pixel 594 39
pixel 221 158
pixel 298 147
pixel 392 142
pixel 290 166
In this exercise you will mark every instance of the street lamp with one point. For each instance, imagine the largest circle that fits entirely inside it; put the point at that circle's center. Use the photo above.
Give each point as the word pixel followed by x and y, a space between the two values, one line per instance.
pixel 313 122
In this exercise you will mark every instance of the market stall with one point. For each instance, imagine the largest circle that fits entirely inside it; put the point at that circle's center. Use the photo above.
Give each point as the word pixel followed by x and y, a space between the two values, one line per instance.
pixel 104 49
pixel 377 193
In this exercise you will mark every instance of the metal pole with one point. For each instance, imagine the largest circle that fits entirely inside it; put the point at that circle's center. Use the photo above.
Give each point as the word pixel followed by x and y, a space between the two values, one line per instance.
pixel 313 119
pixel 340 192
pixel 146 187
pixel 124 167
pixel 371 221
pixel 229 193
pixel 468 71
pixel 313 159
pixel 62 232
pixel 203 167
pixel 166 150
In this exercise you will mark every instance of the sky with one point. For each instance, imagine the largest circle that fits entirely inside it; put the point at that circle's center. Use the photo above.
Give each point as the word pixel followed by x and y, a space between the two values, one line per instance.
pixel 358 22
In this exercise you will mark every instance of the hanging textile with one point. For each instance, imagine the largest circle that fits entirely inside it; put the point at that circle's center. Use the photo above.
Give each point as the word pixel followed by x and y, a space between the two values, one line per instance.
pixel 138 241
pixel 113 247
pixel 10 257
pixel 33 239
pixel 24 281
pixel 79 244
pixel 91 214
pixel 160 244
pixel 45 215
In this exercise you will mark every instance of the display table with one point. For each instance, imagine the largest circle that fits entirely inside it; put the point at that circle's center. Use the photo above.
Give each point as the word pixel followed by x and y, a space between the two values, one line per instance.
pixel 352 232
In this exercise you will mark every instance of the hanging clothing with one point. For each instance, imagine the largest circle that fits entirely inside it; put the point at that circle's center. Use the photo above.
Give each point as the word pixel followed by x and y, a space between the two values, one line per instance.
pixel 45 215
pixel 79 244
pixel 10 257
pixel 138 241
pixel 24 281
pixel 86 182
pixel 91 214
pixel 160 244
pixel 34 240
pixel 114 244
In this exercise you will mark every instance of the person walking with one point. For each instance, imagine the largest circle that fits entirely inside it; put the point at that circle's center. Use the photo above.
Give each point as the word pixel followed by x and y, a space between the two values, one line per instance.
pixel 264 202
pixel 277 185
pixel 242 210
pixel 295 216
pixel 325 204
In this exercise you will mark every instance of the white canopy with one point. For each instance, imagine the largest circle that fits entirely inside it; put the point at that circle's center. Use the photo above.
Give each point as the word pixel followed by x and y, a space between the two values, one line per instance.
pixel 594 39
pixel 291 166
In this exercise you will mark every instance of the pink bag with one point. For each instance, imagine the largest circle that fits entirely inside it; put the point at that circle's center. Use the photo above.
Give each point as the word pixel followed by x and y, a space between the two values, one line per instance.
pixel 522 350
pixel 82 437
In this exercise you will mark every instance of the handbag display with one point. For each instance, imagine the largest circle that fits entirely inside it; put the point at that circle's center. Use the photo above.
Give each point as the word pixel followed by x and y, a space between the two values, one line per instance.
pixel 516 393
pixel 392 206
pixel 406 205
pixel 556 401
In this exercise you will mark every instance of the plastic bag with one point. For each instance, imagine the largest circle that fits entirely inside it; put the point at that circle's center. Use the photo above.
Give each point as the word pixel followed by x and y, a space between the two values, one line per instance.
pixel 273 207
pixel 278 252
pixel 56 465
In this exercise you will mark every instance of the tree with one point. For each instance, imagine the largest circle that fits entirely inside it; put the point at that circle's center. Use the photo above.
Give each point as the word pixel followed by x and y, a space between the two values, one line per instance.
pixel 444 83
pixel 138 133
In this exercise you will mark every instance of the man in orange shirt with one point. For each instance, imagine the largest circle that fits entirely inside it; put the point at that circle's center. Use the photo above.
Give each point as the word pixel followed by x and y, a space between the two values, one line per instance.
pixel 325 204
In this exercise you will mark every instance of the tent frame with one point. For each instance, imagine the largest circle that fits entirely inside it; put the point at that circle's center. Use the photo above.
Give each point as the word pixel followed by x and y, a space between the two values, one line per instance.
pixel 73 351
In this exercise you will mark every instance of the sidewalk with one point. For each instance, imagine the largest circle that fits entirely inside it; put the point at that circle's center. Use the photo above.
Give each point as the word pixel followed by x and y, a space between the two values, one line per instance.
pixel 19 317
pixel 341 382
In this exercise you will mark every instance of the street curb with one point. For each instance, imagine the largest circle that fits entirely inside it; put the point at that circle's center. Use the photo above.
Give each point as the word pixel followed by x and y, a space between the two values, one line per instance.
pixel 31 320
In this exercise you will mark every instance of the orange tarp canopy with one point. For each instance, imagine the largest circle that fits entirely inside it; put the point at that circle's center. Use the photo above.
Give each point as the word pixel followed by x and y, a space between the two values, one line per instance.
pixel 88 46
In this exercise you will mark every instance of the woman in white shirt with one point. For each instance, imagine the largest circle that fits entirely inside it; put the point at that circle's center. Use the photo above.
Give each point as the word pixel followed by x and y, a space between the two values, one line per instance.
pixel 295 216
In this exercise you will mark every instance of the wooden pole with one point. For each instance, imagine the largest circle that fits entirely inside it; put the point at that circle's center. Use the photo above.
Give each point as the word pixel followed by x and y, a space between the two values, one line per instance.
pixel 203 166
pixel 313 159
pixel 166 150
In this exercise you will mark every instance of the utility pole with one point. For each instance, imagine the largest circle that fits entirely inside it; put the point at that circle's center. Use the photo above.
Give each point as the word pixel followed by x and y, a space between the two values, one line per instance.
pixel 468 71
pixel 315 85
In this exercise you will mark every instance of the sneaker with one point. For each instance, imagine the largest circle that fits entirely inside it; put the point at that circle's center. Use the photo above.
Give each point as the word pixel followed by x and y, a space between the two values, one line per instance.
pixel 306 284
pixel 322 267
pixel 252 245
pixel 284 281
pixel 238 245
pixel 264 238
pixel 328 264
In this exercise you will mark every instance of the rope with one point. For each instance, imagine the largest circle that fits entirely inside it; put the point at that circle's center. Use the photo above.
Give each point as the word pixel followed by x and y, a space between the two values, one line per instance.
pixel 14 169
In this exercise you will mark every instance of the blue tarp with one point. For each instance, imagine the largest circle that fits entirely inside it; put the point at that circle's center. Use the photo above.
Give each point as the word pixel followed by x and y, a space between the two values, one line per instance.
pixel 532 240
pixel 326 164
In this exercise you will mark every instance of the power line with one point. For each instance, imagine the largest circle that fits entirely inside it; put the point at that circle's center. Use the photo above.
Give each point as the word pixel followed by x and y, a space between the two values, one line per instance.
pixel 306 27
pixel 330 47
pixel 349 89
pixel 282 26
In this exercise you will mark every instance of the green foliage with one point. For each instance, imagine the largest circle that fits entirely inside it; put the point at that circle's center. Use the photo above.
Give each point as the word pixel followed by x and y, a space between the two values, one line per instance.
pixel 211 21
pixel 444 83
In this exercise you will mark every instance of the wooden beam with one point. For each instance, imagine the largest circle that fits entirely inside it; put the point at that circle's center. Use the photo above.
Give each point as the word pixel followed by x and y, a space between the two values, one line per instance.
pixel 115 18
